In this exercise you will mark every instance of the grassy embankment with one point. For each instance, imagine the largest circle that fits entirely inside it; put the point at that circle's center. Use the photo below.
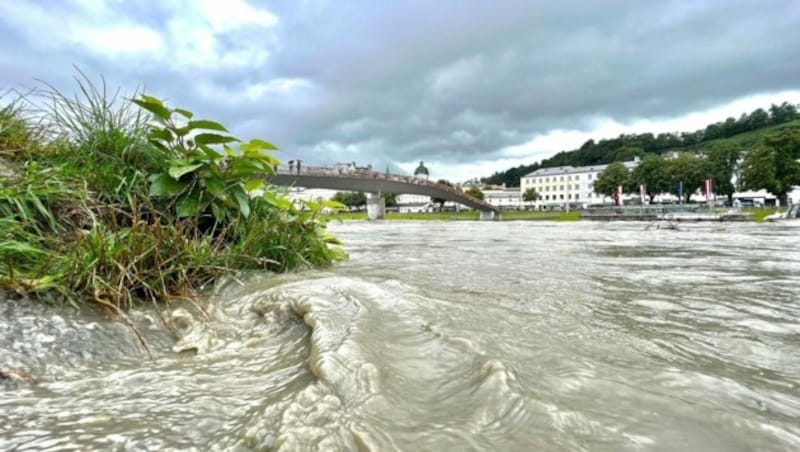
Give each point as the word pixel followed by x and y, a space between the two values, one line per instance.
pixel 466 216
pixel 760 213
pixel 116 202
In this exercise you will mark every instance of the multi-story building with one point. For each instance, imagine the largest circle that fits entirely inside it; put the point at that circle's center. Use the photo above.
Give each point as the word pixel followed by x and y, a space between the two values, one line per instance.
pixel 563 185
pixel 503 198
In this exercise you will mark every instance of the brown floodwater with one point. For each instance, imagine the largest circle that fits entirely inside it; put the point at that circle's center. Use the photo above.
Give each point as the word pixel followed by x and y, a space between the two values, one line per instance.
pixel 441 336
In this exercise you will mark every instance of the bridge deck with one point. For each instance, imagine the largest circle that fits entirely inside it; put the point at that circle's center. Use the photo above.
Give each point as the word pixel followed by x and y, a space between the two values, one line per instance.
pixel 374 182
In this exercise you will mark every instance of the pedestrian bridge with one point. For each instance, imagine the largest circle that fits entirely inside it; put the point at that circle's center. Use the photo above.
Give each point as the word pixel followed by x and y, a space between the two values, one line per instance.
pixel 373 183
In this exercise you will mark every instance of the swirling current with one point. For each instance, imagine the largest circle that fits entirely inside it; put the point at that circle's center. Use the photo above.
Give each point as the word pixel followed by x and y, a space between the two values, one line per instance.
pixel 436 336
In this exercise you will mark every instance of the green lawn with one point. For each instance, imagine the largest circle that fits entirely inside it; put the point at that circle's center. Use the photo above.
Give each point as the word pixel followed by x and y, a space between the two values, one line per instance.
pixel 467 216
pixel 761 212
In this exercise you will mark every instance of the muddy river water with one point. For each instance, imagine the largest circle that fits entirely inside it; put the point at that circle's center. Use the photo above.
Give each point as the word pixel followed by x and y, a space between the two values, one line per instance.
pixel 441 336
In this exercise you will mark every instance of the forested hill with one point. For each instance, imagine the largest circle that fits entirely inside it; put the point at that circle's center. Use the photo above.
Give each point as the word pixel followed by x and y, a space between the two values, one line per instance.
pixel 743 131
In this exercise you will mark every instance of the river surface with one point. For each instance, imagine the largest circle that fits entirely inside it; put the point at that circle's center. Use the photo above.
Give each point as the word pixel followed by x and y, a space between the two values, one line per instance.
pixel 441 336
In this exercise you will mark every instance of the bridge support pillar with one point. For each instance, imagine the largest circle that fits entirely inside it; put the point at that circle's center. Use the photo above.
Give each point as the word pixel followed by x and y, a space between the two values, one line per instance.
pixel 487 215
pixel 376 206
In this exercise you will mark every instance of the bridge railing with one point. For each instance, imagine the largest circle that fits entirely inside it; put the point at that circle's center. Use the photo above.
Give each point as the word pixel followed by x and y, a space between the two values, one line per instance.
pixel 365 173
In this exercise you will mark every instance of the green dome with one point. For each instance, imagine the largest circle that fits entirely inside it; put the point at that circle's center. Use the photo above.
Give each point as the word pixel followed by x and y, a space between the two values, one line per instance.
pixel 421 170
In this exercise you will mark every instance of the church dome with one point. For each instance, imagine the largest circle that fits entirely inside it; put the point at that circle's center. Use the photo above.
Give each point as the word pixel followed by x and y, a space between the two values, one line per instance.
pixel 421 170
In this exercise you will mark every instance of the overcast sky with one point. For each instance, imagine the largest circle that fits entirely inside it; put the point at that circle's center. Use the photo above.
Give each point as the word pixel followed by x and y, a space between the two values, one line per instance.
pixel 470 87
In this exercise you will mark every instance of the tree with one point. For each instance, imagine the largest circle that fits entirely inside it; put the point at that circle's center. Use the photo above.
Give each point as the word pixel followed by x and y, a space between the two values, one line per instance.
pixel 390 199
pixel 351 199
pixel 614 174
pixel 782 113
pixel 689 169
pixel 530 195
pixel 441 201
pixel 652 172
pixel 626 153
pixel 722 161
pixel 476 192
pixel 773 165
pixel 759 118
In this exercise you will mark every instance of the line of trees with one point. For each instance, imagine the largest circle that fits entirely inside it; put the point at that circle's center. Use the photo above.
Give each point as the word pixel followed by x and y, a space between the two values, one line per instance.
pixel 358 200
pixel 627 146
pixel 772 165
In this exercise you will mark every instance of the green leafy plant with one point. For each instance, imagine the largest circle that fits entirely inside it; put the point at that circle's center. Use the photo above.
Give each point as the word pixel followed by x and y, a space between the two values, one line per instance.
pixel 205 173
pixel 116 205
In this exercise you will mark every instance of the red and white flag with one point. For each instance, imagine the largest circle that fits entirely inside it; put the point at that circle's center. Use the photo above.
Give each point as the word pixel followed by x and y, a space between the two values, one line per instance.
pixel 708 188
pixel 643 193
pixel 618 195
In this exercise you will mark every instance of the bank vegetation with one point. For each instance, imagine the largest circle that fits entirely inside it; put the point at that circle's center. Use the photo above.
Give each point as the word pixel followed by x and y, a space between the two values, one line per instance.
pixel 117 201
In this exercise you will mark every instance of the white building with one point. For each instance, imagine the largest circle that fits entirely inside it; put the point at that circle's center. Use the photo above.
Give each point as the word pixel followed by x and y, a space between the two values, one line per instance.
pixel 503 198
pixel 309 194
pixel 567 184
pixel 414 203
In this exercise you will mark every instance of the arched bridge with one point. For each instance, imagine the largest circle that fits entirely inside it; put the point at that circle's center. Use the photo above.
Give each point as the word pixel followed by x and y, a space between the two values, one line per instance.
pixel 374 182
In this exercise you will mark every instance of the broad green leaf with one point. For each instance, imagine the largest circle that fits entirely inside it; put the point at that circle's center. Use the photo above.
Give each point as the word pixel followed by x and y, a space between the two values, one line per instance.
pixel 215 185
pixel 331 239
pixel 182 131
pixel 254 184
pixel 270 161
pixel 218 211
pixel 312 206
pixel 258 145
pixel 213 138
pixel 242 200
pixel 185 113
pixel 333 204
pixel 207 125
pixel 210 153
pixel 179 170
pixel 153 105
pixel 284 204
pixel 229 151
pixel 243 167
pixel 270 198
pixel 188 205
pixel 160 134
pixel 163 185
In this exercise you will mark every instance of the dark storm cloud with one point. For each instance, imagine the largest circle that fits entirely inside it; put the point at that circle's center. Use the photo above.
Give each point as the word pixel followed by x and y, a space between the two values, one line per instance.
pixel 414 76
pixel 447 81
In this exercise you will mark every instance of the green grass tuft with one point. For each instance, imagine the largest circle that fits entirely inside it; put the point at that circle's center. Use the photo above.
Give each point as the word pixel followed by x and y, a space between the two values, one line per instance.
pixel 79 222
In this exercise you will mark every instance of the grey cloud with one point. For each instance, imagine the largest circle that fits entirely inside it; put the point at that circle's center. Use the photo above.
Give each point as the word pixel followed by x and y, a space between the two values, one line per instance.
pixel 456 81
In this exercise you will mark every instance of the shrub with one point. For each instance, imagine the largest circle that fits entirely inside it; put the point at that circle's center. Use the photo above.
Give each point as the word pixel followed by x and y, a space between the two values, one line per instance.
pixel 118 206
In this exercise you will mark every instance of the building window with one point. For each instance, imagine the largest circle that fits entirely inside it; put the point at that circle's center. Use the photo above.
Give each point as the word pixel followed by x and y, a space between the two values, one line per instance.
pixel 562 196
